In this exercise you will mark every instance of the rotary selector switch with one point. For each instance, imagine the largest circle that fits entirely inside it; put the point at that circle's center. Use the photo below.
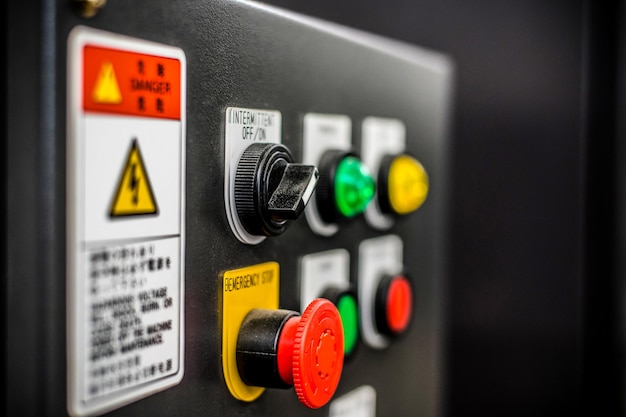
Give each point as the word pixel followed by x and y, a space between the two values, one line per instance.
pixel 270 189
pixel 280 348
pixel 345 188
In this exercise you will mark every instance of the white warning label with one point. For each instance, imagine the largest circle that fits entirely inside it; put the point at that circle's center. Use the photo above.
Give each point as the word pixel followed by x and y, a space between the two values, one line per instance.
pixel 133 325
pixel 125 216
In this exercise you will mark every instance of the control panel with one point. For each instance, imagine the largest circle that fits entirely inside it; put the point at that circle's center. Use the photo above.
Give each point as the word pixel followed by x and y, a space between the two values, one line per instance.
pixel 255 215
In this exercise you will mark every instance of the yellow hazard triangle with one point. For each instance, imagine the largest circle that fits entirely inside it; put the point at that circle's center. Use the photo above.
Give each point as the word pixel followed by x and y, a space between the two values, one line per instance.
pixel 134 193
pixel 106 89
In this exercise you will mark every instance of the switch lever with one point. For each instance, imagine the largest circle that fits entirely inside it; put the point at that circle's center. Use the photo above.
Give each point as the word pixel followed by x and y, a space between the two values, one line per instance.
pixel 270 189
pixel 293 192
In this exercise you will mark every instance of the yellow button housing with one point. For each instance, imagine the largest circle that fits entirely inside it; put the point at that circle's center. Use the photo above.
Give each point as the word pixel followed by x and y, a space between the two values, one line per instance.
pixel 407 184
pixel 244 289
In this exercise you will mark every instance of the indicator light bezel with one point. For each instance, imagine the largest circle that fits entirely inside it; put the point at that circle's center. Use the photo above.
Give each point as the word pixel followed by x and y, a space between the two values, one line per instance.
pixel 388 196
pixel 388 321
pixel 327 193
pixel 336 296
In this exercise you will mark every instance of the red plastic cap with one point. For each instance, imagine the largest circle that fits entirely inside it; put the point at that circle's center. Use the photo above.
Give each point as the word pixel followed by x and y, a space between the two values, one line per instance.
pixel 285 349
pixel 318 353
pixel 399 304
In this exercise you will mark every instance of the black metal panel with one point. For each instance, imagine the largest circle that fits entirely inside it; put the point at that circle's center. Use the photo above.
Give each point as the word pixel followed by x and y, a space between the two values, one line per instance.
pixel 237 55
pixel 34 285
pixel 603 291
pixel 617 324
pixel 516 293
pixel 517 285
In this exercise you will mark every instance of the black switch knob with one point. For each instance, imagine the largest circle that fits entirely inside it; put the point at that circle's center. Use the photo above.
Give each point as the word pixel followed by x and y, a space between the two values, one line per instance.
pixel 270 189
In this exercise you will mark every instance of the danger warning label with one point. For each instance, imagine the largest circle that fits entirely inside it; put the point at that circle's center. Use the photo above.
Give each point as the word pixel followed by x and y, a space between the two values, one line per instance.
pixel 127 82
pixel 106 90
pixel 134 193
pixel 126 224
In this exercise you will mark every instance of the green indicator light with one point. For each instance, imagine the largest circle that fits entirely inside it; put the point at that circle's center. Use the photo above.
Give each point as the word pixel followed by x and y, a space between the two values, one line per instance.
pixel 350 320
pixel 354 186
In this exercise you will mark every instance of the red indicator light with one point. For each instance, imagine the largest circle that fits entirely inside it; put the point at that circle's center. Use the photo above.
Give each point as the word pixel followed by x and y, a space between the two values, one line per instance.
pixel 399 305
pixel 394 305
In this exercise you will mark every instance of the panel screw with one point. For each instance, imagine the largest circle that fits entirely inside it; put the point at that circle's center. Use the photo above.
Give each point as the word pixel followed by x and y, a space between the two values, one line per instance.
pixel 89 8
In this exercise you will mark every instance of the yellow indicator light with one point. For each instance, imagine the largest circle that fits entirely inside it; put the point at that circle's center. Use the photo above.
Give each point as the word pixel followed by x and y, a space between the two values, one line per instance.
pixel 408 184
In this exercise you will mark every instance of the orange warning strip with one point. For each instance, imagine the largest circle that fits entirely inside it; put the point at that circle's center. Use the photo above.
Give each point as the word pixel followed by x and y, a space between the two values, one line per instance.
pixel 122 82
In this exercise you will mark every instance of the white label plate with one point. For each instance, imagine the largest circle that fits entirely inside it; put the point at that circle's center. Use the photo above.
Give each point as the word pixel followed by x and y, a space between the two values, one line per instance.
pixel 380 137
pixel 323 132
pixel 322 270
pixel 125 271
pixel 243 128
pixel 360 402
pixel 377 257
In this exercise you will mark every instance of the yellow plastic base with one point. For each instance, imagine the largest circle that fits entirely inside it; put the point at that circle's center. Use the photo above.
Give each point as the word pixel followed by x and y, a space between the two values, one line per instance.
pixel 244 289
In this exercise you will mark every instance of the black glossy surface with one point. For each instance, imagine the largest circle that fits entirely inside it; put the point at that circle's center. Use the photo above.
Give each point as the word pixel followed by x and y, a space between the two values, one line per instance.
pixel 259 171
pixel 516 295
pixel 236 56
pixel 257 347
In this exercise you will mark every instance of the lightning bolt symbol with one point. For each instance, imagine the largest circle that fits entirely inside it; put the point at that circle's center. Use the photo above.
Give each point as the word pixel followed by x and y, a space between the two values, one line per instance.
pixel 133 183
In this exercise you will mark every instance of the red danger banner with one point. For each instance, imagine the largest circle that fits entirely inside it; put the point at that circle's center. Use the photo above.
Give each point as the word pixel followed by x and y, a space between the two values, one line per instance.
pixel 122 82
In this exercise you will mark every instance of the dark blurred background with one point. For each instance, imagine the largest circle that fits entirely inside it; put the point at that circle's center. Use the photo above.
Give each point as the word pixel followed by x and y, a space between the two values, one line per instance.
pixel 534 280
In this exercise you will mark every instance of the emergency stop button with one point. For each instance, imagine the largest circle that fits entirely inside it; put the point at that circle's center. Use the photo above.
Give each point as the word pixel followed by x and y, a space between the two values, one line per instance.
pixel 280 348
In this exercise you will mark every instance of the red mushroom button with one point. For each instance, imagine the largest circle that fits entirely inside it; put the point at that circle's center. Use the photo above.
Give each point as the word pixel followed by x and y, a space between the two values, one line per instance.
pixel 280 348
pixel 311 353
